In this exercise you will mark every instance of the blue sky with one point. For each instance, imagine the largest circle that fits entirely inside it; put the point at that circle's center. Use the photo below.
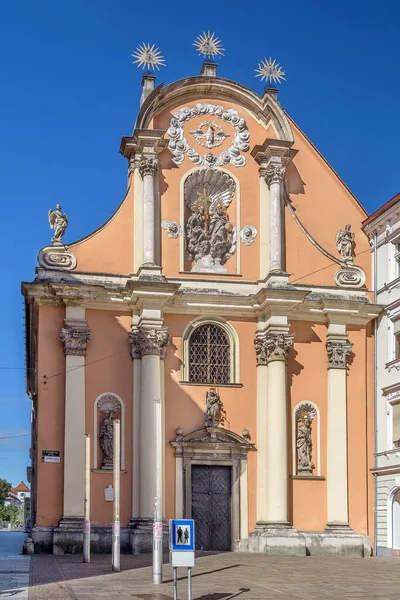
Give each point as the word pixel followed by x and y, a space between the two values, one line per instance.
pixel 69 92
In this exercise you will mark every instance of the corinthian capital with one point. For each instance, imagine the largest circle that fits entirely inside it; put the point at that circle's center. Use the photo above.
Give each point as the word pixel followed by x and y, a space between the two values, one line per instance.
pixel 148 166
pixel 148 341
pixel 134 342
pixel 338 352
pixel 275 173
pixel 272 346
pixel 75 340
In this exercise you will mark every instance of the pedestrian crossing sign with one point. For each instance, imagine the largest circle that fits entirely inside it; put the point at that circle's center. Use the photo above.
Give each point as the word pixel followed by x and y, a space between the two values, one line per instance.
pixel 181 535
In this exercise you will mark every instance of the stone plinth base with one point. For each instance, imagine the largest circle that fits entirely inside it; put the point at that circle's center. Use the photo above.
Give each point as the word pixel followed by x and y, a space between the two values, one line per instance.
pixel 284 541
pixel 339 544
pixel 290 542
pixel 42 539
pixel 141 536
pixel 68 538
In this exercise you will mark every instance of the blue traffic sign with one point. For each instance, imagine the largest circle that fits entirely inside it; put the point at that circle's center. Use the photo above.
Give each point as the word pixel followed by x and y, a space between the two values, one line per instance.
pixel 181 535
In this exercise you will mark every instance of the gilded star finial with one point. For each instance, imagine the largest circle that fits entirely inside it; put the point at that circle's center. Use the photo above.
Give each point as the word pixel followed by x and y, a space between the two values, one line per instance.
pixel 208 45
pixel 270 71
pixel 148 57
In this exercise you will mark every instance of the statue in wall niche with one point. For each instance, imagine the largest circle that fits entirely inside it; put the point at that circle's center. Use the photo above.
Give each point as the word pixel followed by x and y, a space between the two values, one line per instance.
pixel 106 439
pixel 304 441
pixel 198 244
pixel 345 244
pixel 210 237
pixel 214 413
pixel 59 223
pixel 220 235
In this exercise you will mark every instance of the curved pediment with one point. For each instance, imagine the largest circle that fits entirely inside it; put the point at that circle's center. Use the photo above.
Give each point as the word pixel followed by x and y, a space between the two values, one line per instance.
pixel 212 435
pixel 265 108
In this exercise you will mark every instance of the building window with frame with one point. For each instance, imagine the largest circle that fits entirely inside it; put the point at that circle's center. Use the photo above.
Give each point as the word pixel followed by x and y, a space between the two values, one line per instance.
pixel 396 259
pixel 397 346
pixel 396 425
pixel 209 355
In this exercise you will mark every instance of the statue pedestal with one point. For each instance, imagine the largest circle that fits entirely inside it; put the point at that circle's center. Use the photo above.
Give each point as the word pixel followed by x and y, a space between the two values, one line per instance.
pixel 208 264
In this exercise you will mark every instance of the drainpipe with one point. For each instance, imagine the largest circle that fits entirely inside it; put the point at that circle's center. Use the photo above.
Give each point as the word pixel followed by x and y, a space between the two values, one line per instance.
pixel 375 397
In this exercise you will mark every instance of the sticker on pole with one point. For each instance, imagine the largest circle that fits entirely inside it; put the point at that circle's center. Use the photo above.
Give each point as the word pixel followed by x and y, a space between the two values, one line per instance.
pixel 181 535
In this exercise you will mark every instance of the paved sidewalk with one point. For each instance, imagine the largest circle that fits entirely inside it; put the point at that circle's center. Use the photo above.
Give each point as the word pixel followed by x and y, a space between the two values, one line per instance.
pixel 14 568
pixel 217 577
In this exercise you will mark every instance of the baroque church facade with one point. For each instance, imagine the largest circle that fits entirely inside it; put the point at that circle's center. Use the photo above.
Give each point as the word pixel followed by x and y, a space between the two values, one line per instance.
pixel 223 314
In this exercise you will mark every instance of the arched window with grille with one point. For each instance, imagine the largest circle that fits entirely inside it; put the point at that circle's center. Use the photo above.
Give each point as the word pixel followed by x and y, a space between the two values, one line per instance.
pixel 209 355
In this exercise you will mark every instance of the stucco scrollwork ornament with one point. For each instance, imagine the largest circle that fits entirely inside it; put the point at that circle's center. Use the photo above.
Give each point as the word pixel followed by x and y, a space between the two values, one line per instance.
pixel 148 166
pixel 338 351
pixel 209 134
pixel 75 340
pixel 108 405
pixel 56 257
pixel 59 223
pixel 180 147
pixel 304 418
pixel 350 275
pixel 173 229
pixel 248 234
pixel 154 342
pixel 214 414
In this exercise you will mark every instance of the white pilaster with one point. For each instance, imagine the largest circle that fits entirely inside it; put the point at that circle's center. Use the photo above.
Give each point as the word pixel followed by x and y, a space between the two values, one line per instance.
pixel 75 338
pixel 244 507
pixel 261 497
pixel 338 348
pixel 147 169
pixel 178 486
pixel 137 376
pixel 275 176
pixel 272 348
pixel 153 344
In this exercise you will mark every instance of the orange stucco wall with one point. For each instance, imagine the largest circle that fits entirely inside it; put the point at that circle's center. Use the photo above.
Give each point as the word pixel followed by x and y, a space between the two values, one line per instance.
pixel 50 415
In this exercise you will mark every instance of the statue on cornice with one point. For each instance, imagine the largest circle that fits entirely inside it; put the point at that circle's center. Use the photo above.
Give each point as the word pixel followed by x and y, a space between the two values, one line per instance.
pixel 59 222
pixel 214 413
pixel 345 244
pixel 220 235
pixel 198 244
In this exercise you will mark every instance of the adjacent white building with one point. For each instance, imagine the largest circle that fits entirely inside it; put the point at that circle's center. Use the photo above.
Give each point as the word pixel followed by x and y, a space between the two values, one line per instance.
pixel 383 229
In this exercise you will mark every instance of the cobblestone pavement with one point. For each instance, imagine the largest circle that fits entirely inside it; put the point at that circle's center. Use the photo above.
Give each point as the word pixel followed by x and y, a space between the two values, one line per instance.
pixel 14 568
pixel 221 576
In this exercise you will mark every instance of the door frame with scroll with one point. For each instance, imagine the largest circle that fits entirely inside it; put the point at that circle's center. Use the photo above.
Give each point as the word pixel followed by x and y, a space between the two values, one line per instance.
pixel 213 446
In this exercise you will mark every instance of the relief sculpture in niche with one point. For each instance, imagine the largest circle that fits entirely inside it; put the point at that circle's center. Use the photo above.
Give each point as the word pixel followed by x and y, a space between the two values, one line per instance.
pixel 210 237
pixel 304 418
pixel 108 405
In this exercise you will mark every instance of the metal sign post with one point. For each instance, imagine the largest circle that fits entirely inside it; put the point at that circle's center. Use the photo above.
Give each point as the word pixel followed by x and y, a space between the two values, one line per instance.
pixel 182 545
pixel 116 535
pixel 86 521
pixel 157 545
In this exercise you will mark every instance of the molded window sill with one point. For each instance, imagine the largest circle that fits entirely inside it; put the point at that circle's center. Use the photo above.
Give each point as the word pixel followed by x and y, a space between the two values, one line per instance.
pixel 106 471
pixel 317 477
pixel 234 385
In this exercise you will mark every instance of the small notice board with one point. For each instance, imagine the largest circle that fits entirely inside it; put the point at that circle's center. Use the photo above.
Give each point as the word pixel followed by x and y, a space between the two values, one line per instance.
pixel 181 543
pixel 51 456
pixel 181 535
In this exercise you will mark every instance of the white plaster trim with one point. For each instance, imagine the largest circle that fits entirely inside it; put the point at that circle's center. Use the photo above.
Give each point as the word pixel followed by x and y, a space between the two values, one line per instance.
pixel 233 345
pixel 294 448
pixel 95 430
pixel 182 216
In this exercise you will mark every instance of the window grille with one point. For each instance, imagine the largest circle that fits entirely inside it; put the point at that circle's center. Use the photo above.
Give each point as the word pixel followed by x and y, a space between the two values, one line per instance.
pixel 209 355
